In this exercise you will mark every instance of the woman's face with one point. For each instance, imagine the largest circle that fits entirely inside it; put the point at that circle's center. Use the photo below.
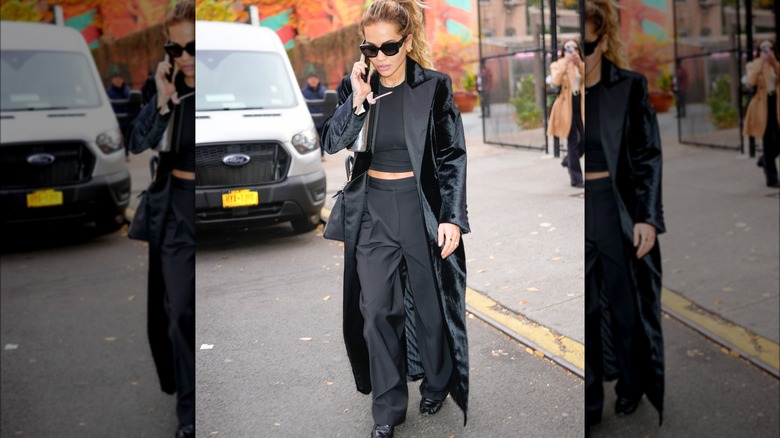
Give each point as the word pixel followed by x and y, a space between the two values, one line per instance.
pixel 766 47
pixel 381 33
pixel 182 34
pixel 570 49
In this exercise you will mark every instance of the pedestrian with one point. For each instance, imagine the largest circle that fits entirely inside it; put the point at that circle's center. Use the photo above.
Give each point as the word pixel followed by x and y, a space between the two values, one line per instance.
pixel 763 112
pixel 623 215
pixel 405 266
pixel 680 88
pixel 171 286
pixel 567 116
pixel 118 91
pixel 485 86
pixel 314 90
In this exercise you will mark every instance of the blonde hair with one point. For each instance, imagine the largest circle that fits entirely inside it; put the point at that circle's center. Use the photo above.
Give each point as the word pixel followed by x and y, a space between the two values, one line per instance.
pixel 407 16
pixel 183 11
pixel 604 16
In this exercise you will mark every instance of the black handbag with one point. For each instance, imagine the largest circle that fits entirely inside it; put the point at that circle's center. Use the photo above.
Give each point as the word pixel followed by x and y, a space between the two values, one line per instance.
pixel 334 228
pixel 149 218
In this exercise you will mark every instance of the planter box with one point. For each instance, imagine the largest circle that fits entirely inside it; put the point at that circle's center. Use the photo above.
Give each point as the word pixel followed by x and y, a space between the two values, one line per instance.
pixel 661 101
pixel 465 100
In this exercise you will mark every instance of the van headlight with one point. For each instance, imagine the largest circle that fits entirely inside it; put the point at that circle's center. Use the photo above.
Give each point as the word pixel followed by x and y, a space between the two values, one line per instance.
pixel 110 141
pixel 306 141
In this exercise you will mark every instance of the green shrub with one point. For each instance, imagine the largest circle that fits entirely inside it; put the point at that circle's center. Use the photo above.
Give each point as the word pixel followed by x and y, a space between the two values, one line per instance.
pixel 527 114
pixel 723 115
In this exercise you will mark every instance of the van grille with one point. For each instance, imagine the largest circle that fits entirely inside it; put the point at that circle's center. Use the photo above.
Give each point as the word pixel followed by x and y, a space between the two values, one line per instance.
pixel 269 163
pixel 73 163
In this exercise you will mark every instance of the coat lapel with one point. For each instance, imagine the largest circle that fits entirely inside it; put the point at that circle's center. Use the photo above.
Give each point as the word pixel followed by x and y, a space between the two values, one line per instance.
pixel 612 114
pixel 418 97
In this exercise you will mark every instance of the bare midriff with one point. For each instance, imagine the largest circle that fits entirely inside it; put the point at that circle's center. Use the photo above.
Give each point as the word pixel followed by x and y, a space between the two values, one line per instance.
pixel 596 175
pixel 183 174
pixel 389 175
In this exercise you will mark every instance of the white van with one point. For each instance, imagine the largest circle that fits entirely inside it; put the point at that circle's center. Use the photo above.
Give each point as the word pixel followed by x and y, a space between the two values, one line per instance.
pixel 256 147
pixel 61 150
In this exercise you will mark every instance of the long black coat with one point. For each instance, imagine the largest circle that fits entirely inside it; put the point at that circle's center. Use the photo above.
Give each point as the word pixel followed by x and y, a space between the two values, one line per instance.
pixel 632 145
pixel 437 149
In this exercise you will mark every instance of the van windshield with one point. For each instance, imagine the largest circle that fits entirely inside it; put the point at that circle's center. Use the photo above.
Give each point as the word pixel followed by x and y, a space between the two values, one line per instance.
pixel 43 80
pixel 237 80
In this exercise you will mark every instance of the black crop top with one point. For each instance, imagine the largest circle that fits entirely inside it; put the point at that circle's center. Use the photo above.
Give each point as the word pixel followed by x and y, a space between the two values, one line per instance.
pixel 595 160
pixel 389 152
pixel 184 125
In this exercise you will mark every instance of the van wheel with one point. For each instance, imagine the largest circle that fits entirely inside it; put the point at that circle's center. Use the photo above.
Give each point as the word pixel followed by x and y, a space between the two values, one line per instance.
pixel 306 224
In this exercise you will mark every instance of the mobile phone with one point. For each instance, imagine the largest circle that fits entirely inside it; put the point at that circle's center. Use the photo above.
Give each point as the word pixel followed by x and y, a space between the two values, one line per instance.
pixel 169 75
pixel 364 75
pixel 765 49
pixel 570 50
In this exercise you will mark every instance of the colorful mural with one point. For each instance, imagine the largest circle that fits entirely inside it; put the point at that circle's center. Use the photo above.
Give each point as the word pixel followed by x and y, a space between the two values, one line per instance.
pixel 95 19
pixel 647 28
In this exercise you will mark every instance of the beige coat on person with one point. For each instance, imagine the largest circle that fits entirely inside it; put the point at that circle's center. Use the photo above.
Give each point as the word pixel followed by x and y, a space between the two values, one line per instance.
pixel 561 113
pixel 755 117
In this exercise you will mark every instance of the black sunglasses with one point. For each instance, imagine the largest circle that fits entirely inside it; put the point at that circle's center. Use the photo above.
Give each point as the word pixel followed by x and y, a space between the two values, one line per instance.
pixel 389 48
pixel 590 47
pixel 174 50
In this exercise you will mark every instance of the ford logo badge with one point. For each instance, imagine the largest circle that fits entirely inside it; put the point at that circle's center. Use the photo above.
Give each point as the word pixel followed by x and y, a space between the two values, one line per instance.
pixel 40 159
pixel 236 159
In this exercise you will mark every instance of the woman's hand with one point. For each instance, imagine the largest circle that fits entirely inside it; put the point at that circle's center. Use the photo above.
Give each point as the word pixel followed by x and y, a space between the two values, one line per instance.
pixel 644 238
pixel 360 88
pixel 449 238
pixel 165 89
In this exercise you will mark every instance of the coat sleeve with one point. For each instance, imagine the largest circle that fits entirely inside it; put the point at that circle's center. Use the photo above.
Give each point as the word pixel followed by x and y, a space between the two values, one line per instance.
pixel 343 127
pixel 556 72
pixel 644 153
pixel 148 127
pixel 752 69
pixel 450 151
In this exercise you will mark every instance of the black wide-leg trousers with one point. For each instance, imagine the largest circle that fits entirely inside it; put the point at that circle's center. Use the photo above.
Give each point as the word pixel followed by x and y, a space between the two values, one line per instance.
pixel 771 141
pixel 392 232
pixel 177 256
pixel 606 269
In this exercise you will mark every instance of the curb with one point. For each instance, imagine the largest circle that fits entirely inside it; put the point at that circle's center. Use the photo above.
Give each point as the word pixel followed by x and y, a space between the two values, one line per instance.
pixel 736 340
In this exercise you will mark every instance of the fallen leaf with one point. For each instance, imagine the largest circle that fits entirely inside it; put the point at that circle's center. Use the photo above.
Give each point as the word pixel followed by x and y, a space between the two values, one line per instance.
pixel 131 298
pixel 11 346
pixel 532 289
pixel 728 289
pixel 329 382
pixel 326 298
pixel 555 258
pixel 206 346
pixel 134 382
pixel 538 353
pixel 545 225
pixel 718 302
pixel 534 233
pixel 479 271
pixel 522 302
pixel 110 338
pixel 305 338
pixel 346 410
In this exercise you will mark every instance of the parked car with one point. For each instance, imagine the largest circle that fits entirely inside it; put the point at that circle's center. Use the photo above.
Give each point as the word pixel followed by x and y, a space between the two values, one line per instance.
pixel 61 150
pixel 257 159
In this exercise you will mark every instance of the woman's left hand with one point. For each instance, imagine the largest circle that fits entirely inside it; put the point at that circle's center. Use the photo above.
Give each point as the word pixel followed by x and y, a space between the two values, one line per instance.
pixel 449 238
pixel 644 238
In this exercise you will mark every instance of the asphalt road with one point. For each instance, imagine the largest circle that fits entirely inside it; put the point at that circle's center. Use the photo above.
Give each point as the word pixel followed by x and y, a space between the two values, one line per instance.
pixel 75 359
pixel 271 360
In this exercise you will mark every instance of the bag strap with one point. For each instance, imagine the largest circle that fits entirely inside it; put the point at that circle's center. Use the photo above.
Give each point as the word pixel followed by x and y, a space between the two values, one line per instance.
pixel 348 162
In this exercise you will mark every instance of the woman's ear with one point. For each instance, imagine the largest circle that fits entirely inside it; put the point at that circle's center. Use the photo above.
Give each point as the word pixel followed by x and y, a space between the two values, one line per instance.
pixel 605 43
pixel 408 42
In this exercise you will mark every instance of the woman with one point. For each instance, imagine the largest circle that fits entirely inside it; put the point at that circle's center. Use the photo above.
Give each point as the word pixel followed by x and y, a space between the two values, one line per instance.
pixel 567 116
pixel 763 113
pixel 171 319
pixel 623 215
pixel 405 268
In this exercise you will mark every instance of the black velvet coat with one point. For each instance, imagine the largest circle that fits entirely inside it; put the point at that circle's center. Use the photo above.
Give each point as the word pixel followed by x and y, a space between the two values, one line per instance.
pixel 632 145
pixel 437 149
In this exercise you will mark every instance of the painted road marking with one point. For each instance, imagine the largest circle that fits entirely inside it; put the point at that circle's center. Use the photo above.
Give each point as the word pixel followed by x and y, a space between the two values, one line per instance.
pixel 759 350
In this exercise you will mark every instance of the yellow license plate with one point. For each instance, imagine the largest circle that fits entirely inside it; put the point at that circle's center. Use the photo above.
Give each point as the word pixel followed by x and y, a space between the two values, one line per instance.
pixel 240 198
pixel 44 198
